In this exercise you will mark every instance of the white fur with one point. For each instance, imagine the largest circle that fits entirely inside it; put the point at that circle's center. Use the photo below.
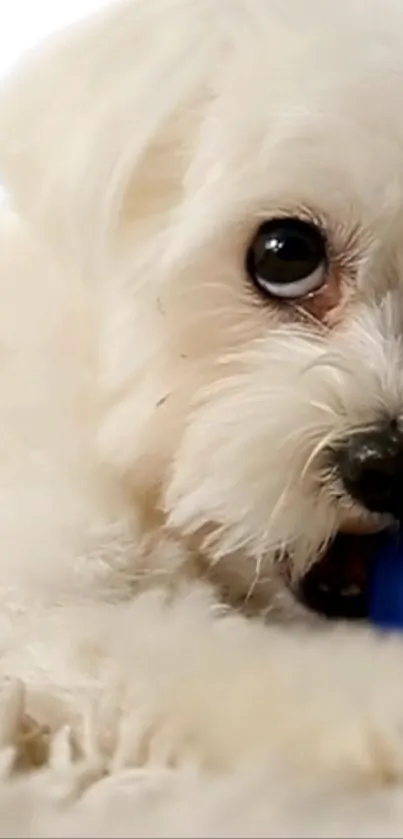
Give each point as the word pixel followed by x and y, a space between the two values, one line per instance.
pixel 162 430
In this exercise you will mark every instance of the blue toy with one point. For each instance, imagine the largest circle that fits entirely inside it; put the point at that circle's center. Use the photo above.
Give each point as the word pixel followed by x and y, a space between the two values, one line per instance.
pixel 386 583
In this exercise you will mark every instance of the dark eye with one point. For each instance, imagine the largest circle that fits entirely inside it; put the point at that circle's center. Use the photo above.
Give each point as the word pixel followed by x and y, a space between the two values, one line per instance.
pixel 287 258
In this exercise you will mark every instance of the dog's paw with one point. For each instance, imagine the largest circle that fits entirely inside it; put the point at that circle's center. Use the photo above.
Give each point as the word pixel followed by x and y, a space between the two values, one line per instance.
pixel 342 706
pixel 324 700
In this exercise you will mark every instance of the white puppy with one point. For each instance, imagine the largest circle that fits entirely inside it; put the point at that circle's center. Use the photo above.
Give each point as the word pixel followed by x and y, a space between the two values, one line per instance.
pixel 201 316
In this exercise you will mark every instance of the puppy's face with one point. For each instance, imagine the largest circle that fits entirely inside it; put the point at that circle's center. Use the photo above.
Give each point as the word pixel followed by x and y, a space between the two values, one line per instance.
pixel 289 280
pixel 249 172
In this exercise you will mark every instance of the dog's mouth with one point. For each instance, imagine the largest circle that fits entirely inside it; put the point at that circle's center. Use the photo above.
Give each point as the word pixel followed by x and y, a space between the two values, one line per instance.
pixel 338 585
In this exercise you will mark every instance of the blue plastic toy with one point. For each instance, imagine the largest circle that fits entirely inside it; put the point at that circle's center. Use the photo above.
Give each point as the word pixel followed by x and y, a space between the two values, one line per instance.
pixel 386 584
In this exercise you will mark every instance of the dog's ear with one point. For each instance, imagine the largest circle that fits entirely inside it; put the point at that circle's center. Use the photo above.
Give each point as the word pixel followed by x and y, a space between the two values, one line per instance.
pixel 95 129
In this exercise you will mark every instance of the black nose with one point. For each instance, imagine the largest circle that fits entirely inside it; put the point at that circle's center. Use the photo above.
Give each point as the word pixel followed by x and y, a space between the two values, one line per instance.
pixel 370 466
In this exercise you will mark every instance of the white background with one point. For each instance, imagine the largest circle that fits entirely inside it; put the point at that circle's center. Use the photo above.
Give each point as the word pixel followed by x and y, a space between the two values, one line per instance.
pixel 24 22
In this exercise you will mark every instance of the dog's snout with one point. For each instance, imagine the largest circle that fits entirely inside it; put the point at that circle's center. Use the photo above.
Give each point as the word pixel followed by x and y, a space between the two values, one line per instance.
pixel 370 466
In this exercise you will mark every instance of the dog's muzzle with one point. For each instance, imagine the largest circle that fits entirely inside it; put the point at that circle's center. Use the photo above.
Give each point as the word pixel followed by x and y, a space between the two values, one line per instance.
pixel 369 465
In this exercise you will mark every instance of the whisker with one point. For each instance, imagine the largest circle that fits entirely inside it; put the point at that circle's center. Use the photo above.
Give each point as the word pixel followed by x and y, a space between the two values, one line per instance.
pixel 256 578
pixel 318 449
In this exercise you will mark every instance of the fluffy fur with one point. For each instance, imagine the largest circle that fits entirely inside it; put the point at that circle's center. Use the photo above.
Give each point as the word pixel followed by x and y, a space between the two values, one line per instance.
pixel 162 429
